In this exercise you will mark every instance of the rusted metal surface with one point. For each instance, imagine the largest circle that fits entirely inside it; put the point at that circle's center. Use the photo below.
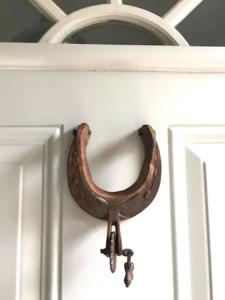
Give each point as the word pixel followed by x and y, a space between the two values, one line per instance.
pixel 129 267
pixel 114 206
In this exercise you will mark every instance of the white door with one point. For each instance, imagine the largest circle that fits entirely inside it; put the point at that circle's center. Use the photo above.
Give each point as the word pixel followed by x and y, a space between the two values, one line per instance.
pixel 48 90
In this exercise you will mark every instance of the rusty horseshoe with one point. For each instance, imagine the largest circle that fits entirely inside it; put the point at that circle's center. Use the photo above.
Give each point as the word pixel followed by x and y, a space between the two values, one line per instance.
pixel 114 206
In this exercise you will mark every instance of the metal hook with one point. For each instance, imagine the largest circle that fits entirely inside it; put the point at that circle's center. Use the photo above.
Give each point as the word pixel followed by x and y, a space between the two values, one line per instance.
pixel 114 246
pixel 113 239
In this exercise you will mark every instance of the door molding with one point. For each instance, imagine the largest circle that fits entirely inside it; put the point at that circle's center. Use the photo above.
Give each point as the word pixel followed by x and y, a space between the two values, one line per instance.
pixel 189 208
pixel 64 57
pixel 39 208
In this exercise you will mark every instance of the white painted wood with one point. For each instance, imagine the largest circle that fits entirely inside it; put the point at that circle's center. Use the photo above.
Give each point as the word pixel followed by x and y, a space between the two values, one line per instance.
pixel 9 229
pixel 46 90
pixel 30 219
pixel 180 11
pixel 215 189
pixel 112 58
pixel 115 11
pixel 195 156
pixel 102 13
pixel 49 9
pixel 189 194
pixel 115 2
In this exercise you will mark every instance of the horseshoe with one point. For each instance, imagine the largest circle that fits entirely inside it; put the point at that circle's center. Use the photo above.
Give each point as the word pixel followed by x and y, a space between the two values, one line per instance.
pixel 114 206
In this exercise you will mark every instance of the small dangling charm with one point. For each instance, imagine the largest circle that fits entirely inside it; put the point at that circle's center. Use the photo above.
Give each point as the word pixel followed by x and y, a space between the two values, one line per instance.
pixel 129 267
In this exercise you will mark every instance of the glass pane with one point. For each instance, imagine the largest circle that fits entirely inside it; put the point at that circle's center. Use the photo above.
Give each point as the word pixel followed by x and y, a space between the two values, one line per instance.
pixel 21 22
pixel 158 7
pixel 205 26
pixel 114 32
pixel 71 5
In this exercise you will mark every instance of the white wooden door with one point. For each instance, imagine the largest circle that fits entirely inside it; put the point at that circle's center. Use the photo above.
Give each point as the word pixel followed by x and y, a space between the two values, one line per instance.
pixel 48 90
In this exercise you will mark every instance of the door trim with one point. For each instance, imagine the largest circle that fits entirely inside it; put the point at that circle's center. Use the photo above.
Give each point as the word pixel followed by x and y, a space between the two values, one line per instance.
pixel 71 57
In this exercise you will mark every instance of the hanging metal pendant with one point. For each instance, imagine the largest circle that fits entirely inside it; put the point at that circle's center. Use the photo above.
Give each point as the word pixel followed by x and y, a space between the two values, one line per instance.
pixel 114 206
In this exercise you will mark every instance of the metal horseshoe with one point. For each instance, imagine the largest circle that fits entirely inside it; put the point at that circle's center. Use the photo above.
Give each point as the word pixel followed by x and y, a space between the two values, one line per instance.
pixel 114 206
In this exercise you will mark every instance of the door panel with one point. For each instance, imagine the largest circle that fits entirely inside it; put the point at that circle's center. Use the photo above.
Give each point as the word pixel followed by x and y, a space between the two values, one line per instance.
pixel 9 224
pixel 172 259
pixel 196 165
pixel 25 157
